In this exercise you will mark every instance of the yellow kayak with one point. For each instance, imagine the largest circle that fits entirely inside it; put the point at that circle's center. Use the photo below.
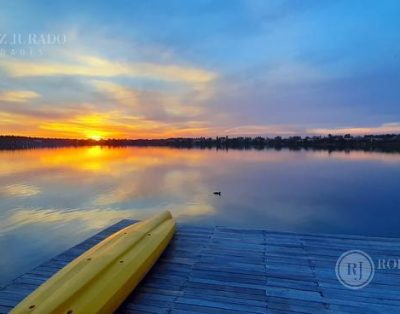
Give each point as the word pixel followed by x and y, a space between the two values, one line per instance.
pixel 99 280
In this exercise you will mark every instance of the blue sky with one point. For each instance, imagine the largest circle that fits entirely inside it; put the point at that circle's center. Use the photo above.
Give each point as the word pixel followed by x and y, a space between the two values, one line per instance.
pixel 189 68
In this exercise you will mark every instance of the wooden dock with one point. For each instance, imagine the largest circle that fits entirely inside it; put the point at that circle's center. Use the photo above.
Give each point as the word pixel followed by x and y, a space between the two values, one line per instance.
pixel 223 270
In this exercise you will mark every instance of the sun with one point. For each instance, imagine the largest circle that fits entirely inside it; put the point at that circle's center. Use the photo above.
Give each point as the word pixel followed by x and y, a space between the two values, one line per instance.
pixel 95 137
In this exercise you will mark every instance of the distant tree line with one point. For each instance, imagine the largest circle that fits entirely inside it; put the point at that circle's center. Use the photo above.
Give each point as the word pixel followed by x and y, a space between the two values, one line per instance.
pixel 385 142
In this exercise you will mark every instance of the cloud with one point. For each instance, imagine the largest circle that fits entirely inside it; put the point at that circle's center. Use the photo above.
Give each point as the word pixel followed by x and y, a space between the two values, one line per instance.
pixel 118 124
pixel 123 95
pixel 91 66
pixel 90 126
pixel 383 129
pixel 158 105
pixel 91 218
pixel 19 190
pixel 18 96
pixel 126 99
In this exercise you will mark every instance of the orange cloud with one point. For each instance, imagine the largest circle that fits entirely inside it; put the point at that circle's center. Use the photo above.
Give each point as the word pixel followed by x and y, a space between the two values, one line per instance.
pixel 96 125
pixel 117 124
pixel 91 124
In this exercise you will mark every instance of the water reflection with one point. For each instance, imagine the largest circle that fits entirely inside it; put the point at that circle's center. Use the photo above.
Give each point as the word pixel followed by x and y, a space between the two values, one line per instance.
pixel 51 199
pixel 19 190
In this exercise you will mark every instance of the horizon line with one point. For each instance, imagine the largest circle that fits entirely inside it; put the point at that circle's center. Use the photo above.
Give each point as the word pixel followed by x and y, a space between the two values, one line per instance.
pixel 199 137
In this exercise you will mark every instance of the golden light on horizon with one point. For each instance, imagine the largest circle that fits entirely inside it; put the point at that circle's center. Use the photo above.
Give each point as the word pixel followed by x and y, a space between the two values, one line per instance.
pixel 96 134
pixel 95 137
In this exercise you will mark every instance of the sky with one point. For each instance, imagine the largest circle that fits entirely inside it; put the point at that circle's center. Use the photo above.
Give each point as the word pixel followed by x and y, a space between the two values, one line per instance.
pixel 156 69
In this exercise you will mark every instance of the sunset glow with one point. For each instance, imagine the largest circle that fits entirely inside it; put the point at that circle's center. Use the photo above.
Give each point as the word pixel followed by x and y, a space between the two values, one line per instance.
pixel 95 137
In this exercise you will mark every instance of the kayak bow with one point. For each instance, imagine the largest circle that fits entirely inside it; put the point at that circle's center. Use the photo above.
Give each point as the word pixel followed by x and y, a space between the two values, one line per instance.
pixel 100 279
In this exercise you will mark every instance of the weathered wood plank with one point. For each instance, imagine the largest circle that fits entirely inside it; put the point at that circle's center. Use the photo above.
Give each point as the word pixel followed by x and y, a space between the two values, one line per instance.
pixel 230 270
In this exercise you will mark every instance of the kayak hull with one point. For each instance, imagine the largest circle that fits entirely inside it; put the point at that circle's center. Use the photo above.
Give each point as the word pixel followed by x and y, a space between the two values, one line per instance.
pixel 99 280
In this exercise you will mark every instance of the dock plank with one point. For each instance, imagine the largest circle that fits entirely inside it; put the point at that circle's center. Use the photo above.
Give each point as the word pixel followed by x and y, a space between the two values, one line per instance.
pixel 230 270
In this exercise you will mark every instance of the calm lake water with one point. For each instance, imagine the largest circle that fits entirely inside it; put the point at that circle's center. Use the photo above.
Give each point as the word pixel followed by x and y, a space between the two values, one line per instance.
pixel 51 199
